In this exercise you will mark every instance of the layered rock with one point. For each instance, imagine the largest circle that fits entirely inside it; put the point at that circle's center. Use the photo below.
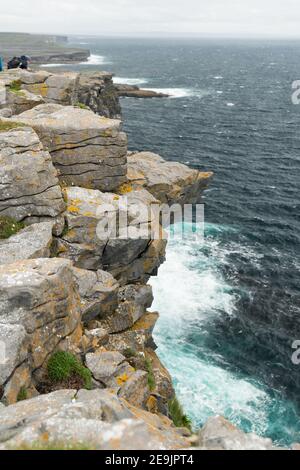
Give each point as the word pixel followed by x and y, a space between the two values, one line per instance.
pixel 87 150
pixel 97 91
pixel 169 182
pixel 87 420
pixel 14 99
pixel 43 86
pixel 21 90
pixel 126 258
pixel 29 188
pixel 39 307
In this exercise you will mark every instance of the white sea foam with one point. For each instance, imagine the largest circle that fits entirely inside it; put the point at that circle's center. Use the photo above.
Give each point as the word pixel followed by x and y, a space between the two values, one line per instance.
pixel 53 65
pixel 95 59
pixel 230 105
pixel 130 81
pixel 181 92
pixel 189 292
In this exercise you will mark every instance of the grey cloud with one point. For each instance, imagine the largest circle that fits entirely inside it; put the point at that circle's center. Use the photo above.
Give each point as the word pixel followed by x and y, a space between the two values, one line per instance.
pixel 229 17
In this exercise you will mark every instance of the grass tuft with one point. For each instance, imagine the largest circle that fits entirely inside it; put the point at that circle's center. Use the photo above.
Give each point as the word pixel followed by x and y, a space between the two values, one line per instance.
pixel 151 378
pixel 81 106
pixel 9 227
pixel 15 87
pixel 63 366
pixel 179 418
pixel 128 353
pixel 22 395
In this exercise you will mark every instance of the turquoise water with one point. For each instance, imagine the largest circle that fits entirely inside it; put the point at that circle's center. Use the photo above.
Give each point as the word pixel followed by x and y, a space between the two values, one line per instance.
pixel 191 294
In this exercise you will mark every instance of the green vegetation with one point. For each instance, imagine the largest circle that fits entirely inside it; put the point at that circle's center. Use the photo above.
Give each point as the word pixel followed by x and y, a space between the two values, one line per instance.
pixel 128 353
pixel 179 418
pixel 22 395
pixel 63 366
pixel 81 106
pixel 53 446
pixel 9 227
pixel 15 87
pixel 8 126
pixel 151 378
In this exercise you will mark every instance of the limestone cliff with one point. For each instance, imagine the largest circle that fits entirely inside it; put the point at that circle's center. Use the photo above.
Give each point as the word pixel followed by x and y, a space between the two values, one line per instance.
pixel 22 90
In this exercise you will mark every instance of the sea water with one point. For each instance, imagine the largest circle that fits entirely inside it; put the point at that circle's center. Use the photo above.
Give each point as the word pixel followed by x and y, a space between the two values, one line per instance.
pixel 229 305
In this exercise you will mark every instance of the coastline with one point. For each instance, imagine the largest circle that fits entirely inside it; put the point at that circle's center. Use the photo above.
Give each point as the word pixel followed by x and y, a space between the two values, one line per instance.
pixel 30 121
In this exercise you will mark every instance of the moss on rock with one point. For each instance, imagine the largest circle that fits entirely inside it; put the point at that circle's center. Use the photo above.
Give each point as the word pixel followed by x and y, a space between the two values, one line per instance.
pixel 9 227
pixel 22 395
pixel 8 126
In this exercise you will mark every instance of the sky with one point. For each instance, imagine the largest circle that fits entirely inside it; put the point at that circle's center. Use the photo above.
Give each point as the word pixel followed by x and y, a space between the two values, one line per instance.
pixel 235 18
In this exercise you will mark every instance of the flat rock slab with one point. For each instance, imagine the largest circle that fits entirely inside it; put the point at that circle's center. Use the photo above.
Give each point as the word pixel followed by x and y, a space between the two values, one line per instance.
pixel 94 419
pixel 23 100
pixel 88 150
pixel 30 243
pixel 169 182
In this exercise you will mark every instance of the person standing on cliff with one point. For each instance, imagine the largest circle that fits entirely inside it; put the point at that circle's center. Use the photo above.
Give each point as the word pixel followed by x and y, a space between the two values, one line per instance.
pixel 1 64
pixel 24 62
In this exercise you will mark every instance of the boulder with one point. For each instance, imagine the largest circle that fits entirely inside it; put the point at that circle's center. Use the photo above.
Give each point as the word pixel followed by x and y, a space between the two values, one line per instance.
pixel 30 243
pixel 39 307
pixel 88 150
pixel 135 339
pixel 6 113
pixel 98 293
pixel 135 389
pixel 28 180
pixel 87 420
pixel 220 434
pixel 22 100
pixel 105 365
pixel 133 300
pixel 126 257
pixel 169 182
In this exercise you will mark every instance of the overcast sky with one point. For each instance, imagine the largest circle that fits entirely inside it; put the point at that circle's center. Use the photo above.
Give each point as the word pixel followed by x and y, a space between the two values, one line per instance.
pixel 141 17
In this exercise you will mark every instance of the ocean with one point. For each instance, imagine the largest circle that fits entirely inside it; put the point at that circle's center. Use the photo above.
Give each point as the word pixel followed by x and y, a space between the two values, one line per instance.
pixel 229 305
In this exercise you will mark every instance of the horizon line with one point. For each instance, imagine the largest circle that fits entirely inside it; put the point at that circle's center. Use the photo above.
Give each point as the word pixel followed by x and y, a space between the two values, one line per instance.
pixel 163 35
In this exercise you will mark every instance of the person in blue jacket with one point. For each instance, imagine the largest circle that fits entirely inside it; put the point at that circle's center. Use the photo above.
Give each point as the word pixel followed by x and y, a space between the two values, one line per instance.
pixel 1 64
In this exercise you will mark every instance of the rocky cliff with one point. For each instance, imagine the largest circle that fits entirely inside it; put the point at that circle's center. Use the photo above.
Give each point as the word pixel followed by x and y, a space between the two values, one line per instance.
pixel 21 91
pixel 78 366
